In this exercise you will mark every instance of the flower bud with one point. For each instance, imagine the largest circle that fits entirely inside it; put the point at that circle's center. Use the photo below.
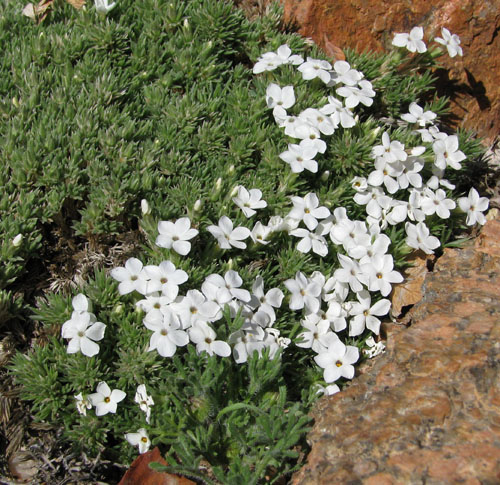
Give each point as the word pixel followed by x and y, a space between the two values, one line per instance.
pixel 16 242
pixel 230 170
pixel 145 209
pixel 118 309
pixel 325 175
pixel 230 263
pixel 234 191
pixel 15 102
pixel 218 184
pixel 197 205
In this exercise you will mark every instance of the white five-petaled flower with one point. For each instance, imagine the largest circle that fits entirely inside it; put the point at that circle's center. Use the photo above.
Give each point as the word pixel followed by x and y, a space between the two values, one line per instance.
pixel 205 339
pixel 227 236
pixel 83 331
pixel 103 6
pixel 82 404
pixel 165 278
pixel 176 235
pixel 311 240
pixel 139 439
pixel 380 274
pixel 337 361
pixel 271 60
pixel 419 237
pixel 436 203
pixel 474 206
pixel 362 93
pixel 447 153
pixel 144 400
pixel 365 314
pixel 450 41
pixel 282 97
pixel 167 334
pixel 131 277
pixel 249 200
pixel 417 115
pixel 412 41
pixel 300 157
pixel 305 292
pixel 226 288
pixel 105 400
pixel 307 209
pixel 268 301
pixel 313 68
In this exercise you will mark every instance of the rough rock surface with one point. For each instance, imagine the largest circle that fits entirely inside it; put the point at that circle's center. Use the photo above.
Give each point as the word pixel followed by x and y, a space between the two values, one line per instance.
pixel 428 410
pixel 370 24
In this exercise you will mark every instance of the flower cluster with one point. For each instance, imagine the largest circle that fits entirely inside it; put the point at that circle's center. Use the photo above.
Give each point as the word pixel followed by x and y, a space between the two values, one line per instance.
pixel 414 41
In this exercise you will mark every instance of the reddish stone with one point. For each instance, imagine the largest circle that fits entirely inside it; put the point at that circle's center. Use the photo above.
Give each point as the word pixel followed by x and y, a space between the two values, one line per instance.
pixel 139 472
pixel 371 24
pixel 428 409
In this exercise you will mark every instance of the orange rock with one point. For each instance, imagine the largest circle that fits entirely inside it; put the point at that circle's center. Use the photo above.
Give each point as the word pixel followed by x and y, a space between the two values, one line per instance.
pixel 371 24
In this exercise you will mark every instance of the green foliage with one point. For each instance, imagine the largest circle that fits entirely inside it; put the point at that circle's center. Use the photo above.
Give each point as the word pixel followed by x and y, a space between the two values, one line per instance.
pixel 157 101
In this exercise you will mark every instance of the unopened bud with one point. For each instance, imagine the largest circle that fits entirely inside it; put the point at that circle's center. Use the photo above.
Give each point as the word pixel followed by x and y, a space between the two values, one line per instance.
pixel 218 184
pixel 118 309
pixel 197 205
pixel 186 23
pixel 234 191
pixel 375 131
pixel 230 263
pixel 230 170
pixel 15 102
pixel 145 207
pixel 16 242
pixel 325 175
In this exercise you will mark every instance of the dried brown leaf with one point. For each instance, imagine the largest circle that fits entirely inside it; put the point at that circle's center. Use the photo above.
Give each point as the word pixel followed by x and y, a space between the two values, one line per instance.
pixel 39 11
pixel 409 291
pixel 335 52
pixel 78 4
pixel 139 472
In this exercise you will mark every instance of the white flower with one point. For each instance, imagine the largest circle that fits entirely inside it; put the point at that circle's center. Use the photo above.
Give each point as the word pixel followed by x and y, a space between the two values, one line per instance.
pixel 316 334
pixel 313 68
pixel 474 206
pixel 16 242
pixel 304 293
pixel 363 94
pixel 318 120
pixel 365 314
pixel 145 209
pixel 167 335
pixel 451 41
pixel 144 400
pixel 375 348
pixel 328 390
pixel 300 158
pixel 83 331
pixel 271 60
pixel 389 151
pixel 260 233
pixel 227 288
pixel 82 404
pixel 80 303
pixel 195 306
pixel 204 337
pixel 105 400
pixel 417 115
pixel 165 278
pixel 139 439
pixel 227 236
pixel 350 273
pixel 246 343
pixel 432 133
pixel 131 277
pixel 436 203
pixel 311 240
pixel 103 6
pixel 447 153
pixel 337 361
pixel 380 274
pixel 375 200
pixel 306 209
pixel 265 302
pixel 276 96
pixel 247 201
pixel 345 75
pixel 176 235
pixel 338 114
pixel 419 237
pixel 412 41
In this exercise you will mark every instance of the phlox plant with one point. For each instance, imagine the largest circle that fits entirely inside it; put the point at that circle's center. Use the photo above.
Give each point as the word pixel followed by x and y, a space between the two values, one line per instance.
pixel 278 194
